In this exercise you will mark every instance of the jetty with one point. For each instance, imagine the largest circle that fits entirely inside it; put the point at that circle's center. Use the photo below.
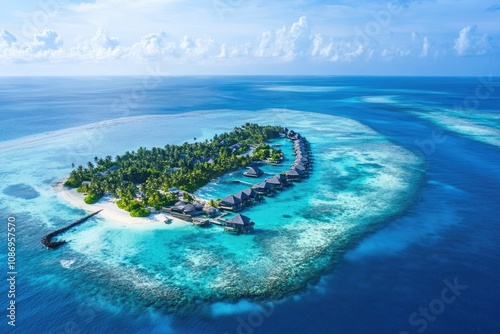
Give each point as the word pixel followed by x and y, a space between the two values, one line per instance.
pixel 47 239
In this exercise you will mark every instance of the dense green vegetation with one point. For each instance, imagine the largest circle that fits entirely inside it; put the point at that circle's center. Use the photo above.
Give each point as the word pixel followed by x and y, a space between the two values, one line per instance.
pixel 266 152
pixel 92 198
pixel 150 173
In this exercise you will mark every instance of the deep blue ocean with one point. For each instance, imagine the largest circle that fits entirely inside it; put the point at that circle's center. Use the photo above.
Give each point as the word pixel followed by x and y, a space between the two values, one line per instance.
pixel 433 269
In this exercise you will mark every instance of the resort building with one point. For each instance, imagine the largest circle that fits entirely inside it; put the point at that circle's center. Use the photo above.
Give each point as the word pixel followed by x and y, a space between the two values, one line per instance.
pixel 185 211
pixel 244 198
pixel 282 179
pixel 230 202
pixel 239 224
pixel 293 175
pixel 252 195
pixel 300 168
pixel 254 172
pixel 265 189
pixel 235 147
pixel 210 211
pixel 275 183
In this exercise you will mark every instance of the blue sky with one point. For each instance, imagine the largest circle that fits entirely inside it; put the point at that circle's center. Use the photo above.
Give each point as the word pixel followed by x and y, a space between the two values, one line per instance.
pixel 202 37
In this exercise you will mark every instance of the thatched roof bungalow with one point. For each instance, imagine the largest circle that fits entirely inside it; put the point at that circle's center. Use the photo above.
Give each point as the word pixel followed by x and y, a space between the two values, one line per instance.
pixel 239 224
pixel 264 188
pixel 293 175
pixel 253 172
pixel 230 202
pixel 252 195
pixel 282 179
pixel 244 198
pixel 189 209
pixel 300 167
pixel 210 211
pixel 275 183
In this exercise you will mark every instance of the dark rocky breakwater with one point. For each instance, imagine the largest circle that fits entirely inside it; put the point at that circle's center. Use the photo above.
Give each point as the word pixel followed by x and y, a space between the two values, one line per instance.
pixel 47 239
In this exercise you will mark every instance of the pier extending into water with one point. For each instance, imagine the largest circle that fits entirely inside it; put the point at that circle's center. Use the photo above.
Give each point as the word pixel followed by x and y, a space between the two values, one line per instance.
pixel 47 239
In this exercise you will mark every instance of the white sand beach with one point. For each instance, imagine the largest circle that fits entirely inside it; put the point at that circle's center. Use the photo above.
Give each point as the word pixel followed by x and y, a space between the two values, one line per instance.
pixel 114 215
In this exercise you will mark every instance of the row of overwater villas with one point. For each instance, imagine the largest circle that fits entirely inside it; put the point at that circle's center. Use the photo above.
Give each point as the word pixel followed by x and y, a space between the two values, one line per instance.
pixel 242 224
pixel 300 169
pixel 239 224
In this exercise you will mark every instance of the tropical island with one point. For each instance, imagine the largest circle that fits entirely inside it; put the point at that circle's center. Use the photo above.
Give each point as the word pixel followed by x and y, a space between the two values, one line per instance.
pixel 148 179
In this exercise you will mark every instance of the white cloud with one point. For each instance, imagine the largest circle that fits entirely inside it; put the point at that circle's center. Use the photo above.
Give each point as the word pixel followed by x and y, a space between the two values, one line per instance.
pixel 244 50
pixel 47 40
pixel 469 42
pixel 425 47
pixel 101 46
pixel 290 43
pixel 337 50
pixel 286 43
pixel 197 48
pixel 153 46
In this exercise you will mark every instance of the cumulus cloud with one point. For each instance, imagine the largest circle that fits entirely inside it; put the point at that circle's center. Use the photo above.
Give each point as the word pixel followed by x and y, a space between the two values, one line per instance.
pixel 337 50
pixel 101 46
pixel 47 40
pixel 153 46
pixel 294 42
pixel 197 48
pixel 470 42
pixel 286 43
pixel 244 50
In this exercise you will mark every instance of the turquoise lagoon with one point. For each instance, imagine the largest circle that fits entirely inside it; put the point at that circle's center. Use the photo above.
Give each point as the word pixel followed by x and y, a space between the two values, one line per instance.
pixel 359 182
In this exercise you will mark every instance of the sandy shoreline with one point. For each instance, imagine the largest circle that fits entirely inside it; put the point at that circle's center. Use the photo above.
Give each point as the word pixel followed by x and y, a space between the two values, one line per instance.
pixel 113 214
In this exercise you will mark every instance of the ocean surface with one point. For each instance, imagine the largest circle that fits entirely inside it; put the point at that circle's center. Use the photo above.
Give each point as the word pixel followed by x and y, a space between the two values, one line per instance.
pixel 396 230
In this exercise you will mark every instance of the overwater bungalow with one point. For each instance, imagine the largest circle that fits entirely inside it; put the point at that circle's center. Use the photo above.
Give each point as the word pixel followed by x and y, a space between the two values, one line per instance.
pixel 239 224
pixel 275 183
pixel 244 198
pixel 300 168
pixel 301 149
pixel 252 195
pixel 293 175
pixel 230 202
pixel 302 161
pixel 291 134
pixel 282 179
pixel 253 172
pixel 264 188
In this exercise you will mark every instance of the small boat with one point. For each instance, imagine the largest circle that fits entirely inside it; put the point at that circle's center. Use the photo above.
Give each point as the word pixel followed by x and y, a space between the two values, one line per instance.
pixel 168 220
